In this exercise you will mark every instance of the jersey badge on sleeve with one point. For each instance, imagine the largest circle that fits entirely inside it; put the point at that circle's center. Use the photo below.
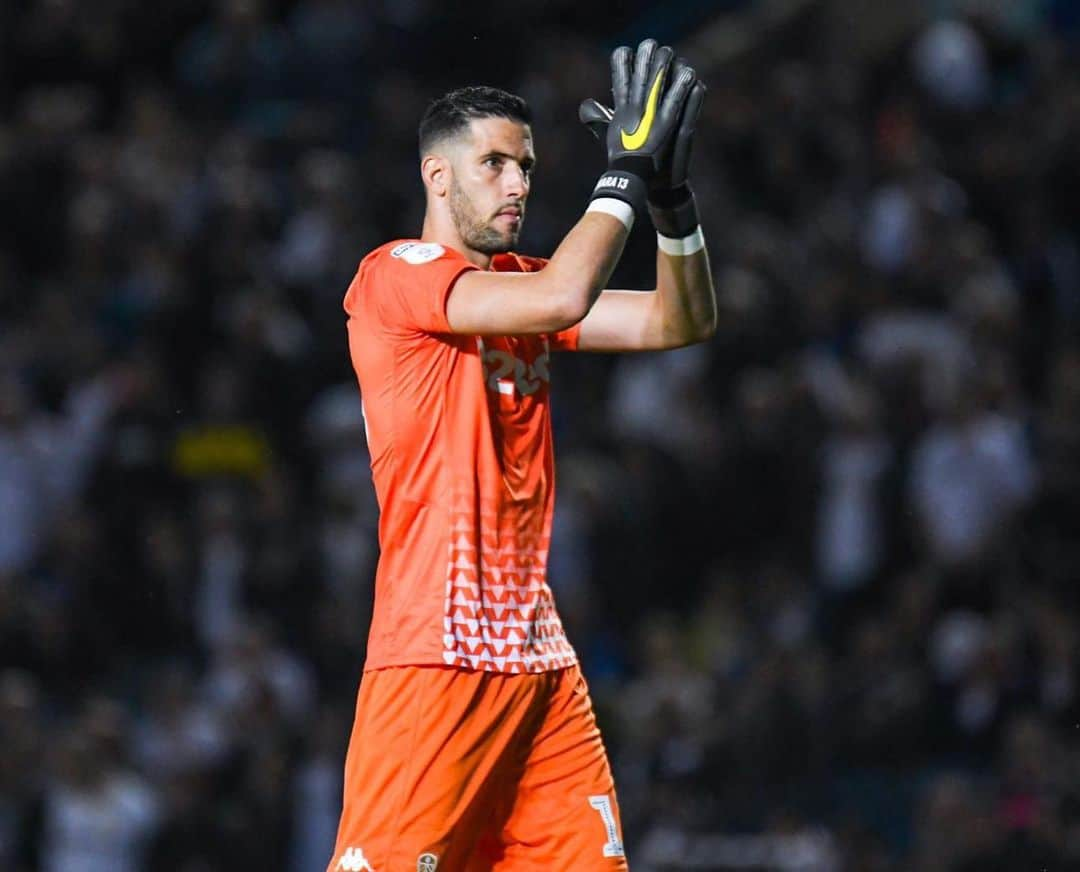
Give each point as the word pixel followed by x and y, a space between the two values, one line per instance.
pixel 417 253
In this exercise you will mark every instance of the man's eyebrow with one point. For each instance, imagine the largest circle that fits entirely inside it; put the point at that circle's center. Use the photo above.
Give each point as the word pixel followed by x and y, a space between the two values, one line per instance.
pixel 529 159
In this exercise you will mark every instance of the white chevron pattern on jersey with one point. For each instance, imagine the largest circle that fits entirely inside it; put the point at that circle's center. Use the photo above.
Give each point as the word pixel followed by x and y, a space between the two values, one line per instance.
pixel 499 611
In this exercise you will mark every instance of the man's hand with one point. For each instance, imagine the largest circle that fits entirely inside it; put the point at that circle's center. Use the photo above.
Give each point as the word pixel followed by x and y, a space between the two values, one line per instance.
pixel 665 166
pixel 639 132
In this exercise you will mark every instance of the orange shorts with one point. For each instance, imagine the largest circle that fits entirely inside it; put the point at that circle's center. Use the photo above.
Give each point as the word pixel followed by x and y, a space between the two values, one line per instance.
pixel 450 770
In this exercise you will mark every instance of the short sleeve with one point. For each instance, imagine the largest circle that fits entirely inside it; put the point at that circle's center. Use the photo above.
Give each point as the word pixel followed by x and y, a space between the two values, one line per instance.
pixel 415 280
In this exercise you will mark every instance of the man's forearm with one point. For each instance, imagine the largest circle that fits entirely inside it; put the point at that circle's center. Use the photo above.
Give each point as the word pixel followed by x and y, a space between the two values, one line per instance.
pixel 582 264
pixel 685 296
pixel 556 297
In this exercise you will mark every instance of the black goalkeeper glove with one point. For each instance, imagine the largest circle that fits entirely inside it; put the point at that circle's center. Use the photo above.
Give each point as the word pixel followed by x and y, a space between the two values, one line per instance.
pixel 638 132
pixel 671 201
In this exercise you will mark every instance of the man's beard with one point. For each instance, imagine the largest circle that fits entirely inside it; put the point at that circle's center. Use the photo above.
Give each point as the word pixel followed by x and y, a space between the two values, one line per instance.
pixel 475 232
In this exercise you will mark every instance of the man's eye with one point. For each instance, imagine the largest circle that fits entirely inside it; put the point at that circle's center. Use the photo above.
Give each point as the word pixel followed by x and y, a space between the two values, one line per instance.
pixel 492 162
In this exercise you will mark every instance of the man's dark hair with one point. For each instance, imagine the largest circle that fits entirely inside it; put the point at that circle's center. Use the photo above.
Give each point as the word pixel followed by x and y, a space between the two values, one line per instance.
pixel 452 113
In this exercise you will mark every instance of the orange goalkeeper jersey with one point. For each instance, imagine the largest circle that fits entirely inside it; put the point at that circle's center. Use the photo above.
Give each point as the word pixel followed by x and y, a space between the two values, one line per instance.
pixel 459 431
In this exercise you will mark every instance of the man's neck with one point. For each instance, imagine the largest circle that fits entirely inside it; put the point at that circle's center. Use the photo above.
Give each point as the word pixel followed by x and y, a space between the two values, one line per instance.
pixel 438 231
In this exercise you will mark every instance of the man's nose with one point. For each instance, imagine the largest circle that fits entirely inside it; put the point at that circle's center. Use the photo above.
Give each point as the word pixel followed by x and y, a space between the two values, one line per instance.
pixel 516 181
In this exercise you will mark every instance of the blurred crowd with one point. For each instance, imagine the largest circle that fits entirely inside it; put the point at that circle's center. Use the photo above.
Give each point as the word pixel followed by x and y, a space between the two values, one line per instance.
pixel 821 570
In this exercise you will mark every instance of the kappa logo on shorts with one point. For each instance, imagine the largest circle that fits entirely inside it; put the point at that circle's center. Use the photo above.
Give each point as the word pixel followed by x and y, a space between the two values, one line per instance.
pixel 417 253
pixel 427 863
pixel 353 860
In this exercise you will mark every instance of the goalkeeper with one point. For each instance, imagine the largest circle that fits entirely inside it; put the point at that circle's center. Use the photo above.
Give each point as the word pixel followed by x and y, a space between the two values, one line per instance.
pixel 474 745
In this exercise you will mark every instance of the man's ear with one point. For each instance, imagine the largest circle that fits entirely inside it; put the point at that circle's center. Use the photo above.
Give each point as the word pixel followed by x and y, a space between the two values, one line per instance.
pixel 436 171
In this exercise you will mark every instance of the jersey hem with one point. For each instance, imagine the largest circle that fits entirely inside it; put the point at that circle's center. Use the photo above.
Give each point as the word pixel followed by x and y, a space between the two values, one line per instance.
pixel 384 663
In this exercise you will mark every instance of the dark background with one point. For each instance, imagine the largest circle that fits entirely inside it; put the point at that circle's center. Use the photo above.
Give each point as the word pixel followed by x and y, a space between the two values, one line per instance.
pixel 821 570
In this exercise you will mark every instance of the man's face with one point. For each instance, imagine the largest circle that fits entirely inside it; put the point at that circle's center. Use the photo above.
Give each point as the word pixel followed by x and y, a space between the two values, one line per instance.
pixel 490 183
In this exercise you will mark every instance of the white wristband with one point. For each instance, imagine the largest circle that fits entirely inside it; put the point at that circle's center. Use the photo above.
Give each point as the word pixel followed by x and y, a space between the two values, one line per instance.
pixel 684 246
pixel 615 208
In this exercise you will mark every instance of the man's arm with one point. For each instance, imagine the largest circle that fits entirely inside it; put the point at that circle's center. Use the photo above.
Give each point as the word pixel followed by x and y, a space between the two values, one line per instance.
pixel 681 311
pixel 561 294
pixel 638 136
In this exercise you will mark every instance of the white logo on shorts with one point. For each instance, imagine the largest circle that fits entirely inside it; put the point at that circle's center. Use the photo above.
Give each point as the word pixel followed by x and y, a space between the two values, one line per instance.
pixel 353 860
pixel 427 863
